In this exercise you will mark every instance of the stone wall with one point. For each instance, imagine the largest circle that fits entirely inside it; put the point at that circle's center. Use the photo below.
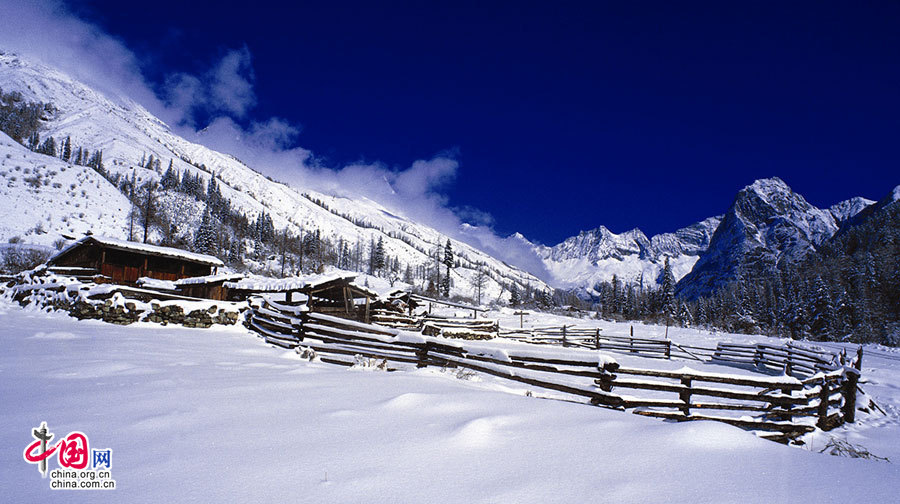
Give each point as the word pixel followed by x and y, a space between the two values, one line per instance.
pixel 129 312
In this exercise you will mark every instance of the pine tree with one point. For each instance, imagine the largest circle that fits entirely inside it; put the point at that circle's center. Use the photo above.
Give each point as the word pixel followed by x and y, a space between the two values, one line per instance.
pixel 408 275
pixel 170 179
pixel 378 257
pixel 67 149
pixel 205 238
pixel 514 299
pixel 668 290
pixel 48 147
pixel 34 141
pixel 448 262
pixel 149 209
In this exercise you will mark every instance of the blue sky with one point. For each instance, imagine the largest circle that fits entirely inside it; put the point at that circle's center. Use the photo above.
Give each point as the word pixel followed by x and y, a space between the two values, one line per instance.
pixel 559 117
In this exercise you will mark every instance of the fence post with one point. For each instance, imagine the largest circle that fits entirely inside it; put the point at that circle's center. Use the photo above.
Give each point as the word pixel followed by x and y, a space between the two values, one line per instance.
pixel 823 404
pixel 564 342
pixel 849 390
pixel 668 349
pixel 631 340
pixel 789 366
pixel 298 328
pixel 597 339
pixel 422 355
pixel 858 363
pixel 685 396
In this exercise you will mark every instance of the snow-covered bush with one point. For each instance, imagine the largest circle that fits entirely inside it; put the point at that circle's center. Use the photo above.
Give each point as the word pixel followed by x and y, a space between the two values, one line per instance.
pixel 16 259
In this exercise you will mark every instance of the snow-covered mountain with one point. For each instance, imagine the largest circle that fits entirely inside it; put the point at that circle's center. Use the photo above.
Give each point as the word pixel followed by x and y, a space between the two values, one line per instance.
pixel 127 133
pixel 871 209
pixel 768 224
pixel 847 209
pixel 581 261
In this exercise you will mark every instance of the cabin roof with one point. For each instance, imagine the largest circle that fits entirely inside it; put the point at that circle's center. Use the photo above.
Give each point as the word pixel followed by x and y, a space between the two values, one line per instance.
pixel 306 285
pixel 209 279
pixel 140 248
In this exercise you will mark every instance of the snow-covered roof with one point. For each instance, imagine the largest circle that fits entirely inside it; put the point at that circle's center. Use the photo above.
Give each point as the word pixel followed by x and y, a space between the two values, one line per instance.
pixel 265 284
pixel 143 248
pixel 221 277
pixel 155 283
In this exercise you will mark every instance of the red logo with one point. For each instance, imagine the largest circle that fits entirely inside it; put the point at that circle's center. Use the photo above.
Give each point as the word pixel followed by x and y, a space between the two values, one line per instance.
pixel 72 451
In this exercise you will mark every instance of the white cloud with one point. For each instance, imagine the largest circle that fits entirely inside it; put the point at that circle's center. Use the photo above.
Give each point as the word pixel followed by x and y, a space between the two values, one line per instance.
pixel 225 88
pixel 46 30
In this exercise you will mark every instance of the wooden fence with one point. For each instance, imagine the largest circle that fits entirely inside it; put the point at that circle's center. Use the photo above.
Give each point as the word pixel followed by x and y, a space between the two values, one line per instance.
pixel 789 358
pixel 433 325
pixel 782 406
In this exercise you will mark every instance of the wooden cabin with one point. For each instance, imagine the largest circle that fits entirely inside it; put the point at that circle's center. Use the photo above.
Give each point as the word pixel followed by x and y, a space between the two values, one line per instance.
pixel 123 262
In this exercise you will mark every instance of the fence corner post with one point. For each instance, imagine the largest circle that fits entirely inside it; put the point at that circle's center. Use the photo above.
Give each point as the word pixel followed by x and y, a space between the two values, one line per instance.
pixel 849 392
pixel 422 356
pixel 823 405
pixel 685 396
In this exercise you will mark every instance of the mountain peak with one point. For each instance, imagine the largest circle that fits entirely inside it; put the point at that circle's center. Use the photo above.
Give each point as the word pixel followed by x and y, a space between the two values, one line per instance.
pixel 768 185
pixel 767 225
pixel 847 209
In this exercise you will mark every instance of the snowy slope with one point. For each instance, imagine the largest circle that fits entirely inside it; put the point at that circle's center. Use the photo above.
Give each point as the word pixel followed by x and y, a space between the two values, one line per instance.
pixel 42 198
pixel 202 415
pixel 126 132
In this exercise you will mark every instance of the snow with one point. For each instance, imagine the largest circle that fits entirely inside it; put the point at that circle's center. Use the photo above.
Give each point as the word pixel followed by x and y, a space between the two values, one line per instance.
pixel 267 284
pixel 217 415
pixel 60 199
pixel 157 284
pixel 221 277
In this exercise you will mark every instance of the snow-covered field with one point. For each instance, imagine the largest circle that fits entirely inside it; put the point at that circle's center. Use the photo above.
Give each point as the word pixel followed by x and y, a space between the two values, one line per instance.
pixel 207 415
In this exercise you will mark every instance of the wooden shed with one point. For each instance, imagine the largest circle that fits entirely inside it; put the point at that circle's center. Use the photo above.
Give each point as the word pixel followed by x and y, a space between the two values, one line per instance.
pixel 335 295
pixel 340 297
pixel 207 287
pixel 123 262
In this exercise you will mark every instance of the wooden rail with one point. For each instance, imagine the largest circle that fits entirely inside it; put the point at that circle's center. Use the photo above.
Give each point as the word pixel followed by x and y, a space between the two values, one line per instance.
pixel 789 358
pixel 783 407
